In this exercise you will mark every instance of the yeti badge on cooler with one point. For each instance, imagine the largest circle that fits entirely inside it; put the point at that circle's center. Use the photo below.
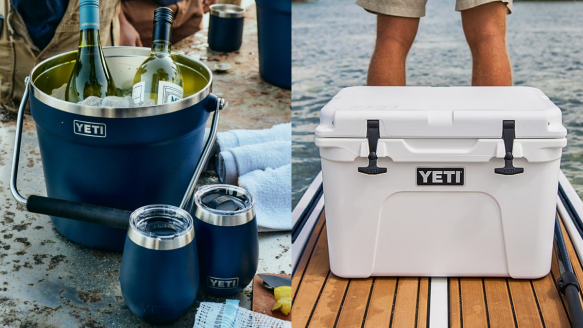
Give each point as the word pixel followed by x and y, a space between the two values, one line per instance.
pixel 442 176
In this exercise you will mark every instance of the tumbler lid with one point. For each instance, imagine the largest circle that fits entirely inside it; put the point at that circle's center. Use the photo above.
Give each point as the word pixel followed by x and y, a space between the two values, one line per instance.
pixel 223 205
pixel 161 227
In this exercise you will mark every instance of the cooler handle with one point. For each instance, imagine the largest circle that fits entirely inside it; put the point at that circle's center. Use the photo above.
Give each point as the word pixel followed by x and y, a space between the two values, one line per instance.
pixel 220 105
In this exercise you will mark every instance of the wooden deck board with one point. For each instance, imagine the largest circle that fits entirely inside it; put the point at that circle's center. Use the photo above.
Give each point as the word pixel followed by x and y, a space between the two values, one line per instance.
pixel 312 282
pixel 322 299
pixel 381 303
pixel 525 306
pixel 455 311
pixel 406 302
pixel 422 300
pixel 355 303
pixel 328 307
pixel 303 262
pixel 473 303
pixel 499 306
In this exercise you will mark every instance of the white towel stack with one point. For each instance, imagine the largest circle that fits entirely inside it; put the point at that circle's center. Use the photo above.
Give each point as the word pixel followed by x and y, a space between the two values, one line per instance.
pixel 261 161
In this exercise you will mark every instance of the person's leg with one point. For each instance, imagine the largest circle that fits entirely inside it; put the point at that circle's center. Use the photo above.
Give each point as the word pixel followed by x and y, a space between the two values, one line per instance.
pixel 485 30
pixel 395 35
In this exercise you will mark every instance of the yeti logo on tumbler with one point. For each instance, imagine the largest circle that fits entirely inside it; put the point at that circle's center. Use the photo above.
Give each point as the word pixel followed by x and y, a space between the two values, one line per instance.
pixel 224 283
pixel 89 129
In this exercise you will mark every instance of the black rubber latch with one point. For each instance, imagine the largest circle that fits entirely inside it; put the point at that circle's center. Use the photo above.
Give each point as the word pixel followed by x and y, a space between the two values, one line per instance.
pixel 508 136
pixel 566 279
pixel 373 135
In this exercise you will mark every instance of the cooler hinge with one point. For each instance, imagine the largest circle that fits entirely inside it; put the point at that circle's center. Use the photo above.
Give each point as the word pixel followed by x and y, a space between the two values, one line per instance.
pixel 508 136
pixel 373 135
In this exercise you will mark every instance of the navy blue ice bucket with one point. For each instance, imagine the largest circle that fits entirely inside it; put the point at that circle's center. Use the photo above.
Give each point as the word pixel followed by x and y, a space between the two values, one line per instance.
pixel 159 269
pixel 117 157
pixel 226 27
pixel 227 240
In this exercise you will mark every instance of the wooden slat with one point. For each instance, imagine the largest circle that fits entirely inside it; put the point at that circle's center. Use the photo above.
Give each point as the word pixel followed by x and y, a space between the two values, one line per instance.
pixel 355 303
pixel 525 308
pixel 473 305
pixel 454 303
pixel 406 302
pixel 328 306
pixel 312 282
pixel 549 300
pixel 381 303
pixel 499 306
pixel 422 301
pixel 303 263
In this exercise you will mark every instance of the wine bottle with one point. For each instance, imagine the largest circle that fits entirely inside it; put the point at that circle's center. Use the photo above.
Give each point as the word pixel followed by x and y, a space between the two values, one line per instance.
pixel 159 78
pixel 90 75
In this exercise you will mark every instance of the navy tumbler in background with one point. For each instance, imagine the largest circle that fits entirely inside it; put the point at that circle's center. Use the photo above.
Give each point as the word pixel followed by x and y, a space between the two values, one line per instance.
pixel 227 240
pixel 226 27
pixel 159 269
pixel 274 33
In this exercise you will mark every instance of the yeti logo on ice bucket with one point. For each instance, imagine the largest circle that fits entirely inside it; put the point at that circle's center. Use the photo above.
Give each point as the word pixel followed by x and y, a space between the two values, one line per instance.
pixel 154 309
pixel 89 129
pixel 442 176
pixel 223 283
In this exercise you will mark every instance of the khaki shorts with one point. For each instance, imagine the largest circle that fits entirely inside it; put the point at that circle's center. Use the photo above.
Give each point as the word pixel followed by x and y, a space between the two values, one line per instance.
pixel 416 8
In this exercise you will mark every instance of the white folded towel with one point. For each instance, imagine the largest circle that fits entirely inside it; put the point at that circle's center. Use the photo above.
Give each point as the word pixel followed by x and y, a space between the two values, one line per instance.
pixel 271 190
pixel 235 162
pixel 238 138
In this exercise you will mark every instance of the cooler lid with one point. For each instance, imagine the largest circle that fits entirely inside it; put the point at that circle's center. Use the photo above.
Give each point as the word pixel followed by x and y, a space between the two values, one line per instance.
pixel 441 112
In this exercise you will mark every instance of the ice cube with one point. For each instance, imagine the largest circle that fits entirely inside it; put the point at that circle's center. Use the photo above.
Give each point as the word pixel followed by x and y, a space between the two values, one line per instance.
pixel 131 102
pixel 91 101
pixel 59 93
pixel 115 102
pixel 148 103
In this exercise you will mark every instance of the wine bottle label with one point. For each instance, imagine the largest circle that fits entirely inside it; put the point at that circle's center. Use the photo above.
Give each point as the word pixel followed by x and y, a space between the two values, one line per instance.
pixel 138 92
pixel 167 92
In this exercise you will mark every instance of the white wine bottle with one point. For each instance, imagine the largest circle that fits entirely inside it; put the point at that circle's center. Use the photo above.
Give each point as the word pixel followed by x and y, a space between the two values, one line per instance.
pixel 90 75
pixel 159 78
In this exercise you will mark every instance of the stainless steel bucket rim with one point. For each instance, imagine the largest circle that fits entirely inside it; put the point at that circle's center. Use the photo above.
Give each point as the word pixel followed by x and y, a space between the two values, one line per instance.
pixel 110 112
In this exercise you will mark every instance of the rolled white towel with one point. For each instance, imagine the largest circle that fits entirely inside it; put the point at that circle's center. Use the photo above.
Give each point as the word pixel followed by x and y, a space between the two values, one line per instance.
pixel 271 190
pixel 238 138
pixel 235 162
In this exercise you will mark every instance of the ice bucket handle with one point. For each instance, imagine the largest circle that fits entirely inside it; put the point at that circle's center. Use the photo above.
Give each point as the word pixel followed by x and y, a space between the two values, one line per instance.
pixel 92 213
pixel 220 105
pixel 17 139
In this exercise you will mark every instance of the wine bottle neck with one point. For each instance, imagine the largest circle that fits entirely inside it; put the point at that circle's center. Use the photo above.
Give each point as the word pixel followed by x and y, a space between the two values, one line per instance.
pixel 89 37
pixel 162 38
pixel 161 47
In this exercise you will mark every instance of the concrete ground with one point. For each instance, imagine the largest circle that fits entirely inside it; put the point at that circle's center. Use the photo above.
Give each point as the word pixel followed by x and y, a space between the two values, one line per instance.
pixel 48 281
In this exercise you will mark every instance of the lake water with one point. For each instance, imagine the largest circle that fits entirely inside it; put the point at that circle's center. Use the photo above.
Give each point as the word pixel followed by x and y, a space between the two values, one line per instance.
pixel 334 39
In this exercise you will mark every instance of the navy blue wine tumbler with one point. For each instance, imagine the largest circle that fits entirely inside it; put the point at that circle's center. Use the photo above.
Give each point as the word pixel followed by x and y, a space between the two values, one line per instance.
pixel 226 27
pixel 159 269
pixel 226 229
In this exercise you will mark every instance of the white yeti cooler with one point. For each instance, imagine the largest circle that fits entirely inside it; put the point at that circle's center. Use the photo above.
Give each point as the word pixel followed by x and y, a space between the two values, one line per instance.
pixel 465 183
